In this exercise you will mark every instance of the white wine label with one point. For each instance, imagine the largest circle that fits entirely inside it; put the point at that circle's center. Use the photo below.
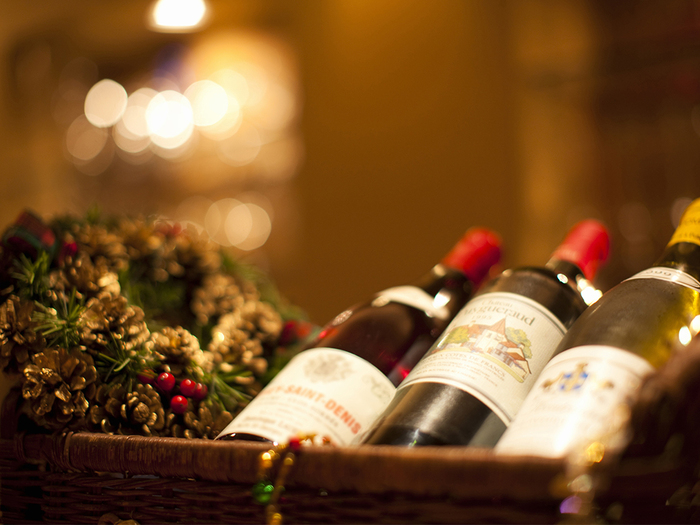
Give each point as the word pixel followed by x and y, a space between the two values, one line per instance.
pixel 579 399
pixel 415 297
pixel 328 392
pixel 493 349
pixel 668 274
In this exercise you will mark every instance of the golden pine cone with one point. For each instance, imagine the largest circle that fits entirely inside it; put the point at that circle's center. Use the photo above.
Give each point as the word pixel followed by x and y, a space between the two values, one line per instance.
pixel 202 422
pixel 240 337
pixel 177 349
pixel 105 248
pixel 18 340
pixel 116 411
pixel 79 273
pixel 108 316
pixel 218 295
pixel 58 387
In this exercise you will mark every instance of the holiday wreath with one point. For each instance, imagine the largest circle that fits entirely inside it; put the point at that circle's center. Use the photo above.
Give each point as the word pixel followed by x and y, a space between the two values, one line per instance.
pixel 134 326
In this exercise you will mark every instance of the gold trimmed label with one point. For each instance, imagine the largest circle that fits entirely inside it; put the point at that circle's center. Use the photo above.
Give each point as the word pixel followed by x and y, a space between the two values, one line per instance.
pixel 689 228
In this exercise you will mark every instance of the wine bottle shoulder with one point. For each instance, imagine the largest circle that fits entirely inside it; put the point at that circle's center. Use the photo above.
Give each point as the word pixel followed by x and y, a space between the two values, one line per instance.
pixel 543 286
pixel 643 316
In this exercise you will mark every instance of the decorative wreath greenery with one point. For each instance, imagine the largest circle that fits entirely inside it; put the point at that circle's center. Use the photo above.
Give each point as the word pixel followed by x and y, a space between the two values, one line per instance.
pixel 135 326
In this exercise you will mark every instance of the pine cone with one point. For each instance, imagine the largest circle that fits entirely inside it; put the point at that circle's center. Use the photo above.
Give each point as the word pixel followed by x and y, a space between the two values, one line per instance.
pixel 18 340
pixel 145 243
pixel 109 316
pixel 139 412
pixel 202 422
pixel 105 248
pixel 197 254
pixel 105 410
pixel 58 387
pixel 218 294
pixel 79 273
pixel 177 349
pixel 240 337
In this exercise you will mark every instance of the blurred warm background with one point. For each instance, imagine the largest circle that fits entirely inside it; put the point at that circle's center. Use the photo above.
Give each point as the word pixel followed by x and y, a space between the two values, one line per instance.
pixel 344 145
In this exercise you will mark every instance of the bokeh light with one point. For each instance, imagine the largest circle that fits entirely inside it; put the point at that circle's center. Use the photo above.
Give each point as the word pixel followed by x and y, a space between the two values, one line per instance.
pixel 209 102
pixel 85 141
pixel 170 120
pixel 134 119
pixel 105 103
pixel 261 227
pixel 238 224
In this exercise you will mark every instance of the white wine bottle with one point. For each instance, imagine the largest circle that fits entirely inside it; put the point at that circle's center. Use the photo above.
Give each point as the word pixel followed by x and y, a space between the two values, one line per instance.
pixel 598 365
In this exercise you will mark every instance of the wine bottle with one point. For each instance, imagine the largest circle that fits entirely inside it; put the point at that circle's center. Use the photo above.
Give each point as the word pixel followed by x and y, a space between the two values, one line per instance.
pixel 341 382
pixel 629 332
pixel 469 385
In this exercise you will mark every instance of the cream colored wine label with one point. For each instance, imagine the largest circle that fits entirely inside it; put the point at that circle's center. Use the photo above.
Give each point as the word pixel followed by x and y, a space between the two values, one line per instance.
pixel 578 400
pixel 324 391
pixel 493 349
pixel 689 228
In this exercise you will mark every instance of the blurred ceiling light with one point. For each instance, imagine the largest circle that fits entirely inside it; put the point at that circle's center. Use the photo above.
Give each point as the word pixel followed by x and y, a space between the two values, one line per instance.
pixel 209 102
pixel 177 16
pixel 105 103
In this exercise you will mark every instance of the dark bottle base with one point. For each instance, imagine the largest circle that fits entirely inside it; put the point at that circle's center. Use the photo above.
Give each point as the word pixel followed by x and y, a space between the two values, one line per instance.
pixel 434 414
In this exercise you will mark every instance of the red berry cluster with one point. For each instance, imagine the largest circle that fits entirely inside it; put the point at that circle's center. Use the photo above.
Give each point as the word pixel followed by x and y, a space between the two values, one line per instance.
pixel 166 381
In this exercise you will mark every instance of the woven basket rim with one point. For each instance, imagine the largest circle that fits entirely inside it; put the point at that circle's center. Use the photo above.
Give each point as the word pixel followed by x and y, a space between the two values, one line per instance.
pixel 459 472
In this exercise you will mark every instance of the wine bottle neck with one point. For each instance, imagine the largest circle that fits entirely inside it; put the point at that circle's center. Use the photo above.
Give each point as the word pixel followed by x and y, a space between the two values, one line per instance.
pixel 571 275
pixel 683 256
pixel 451 284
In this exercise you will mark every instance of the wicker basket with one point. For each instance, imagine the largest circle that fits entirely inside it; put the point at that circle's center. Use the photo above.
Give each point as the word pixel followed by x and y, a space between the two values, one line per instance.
pixel 98 478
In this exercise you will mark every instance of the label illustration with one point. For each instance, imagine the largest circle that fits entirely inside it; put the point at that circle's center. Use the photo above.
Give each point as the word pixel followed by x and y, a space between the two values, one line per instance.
pixel 507 347
pixel 574 402
pixel 324 391
pixel 668 274
pixel 493 349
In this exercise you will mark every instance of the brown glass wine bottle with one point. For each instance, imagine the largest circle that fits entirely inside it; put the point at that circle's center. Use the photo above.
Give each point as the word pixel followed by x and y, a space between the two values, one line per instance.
pixel 468 387
pixel 630 331
pixel 338 385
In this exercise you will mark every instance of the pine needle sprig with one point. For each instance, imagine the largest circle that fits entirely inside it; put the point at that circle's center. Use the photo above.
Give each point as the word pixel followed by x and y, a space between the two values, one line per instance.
pixel 60 324
pixel 116 365
pixel 225 392
pixel 32 276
